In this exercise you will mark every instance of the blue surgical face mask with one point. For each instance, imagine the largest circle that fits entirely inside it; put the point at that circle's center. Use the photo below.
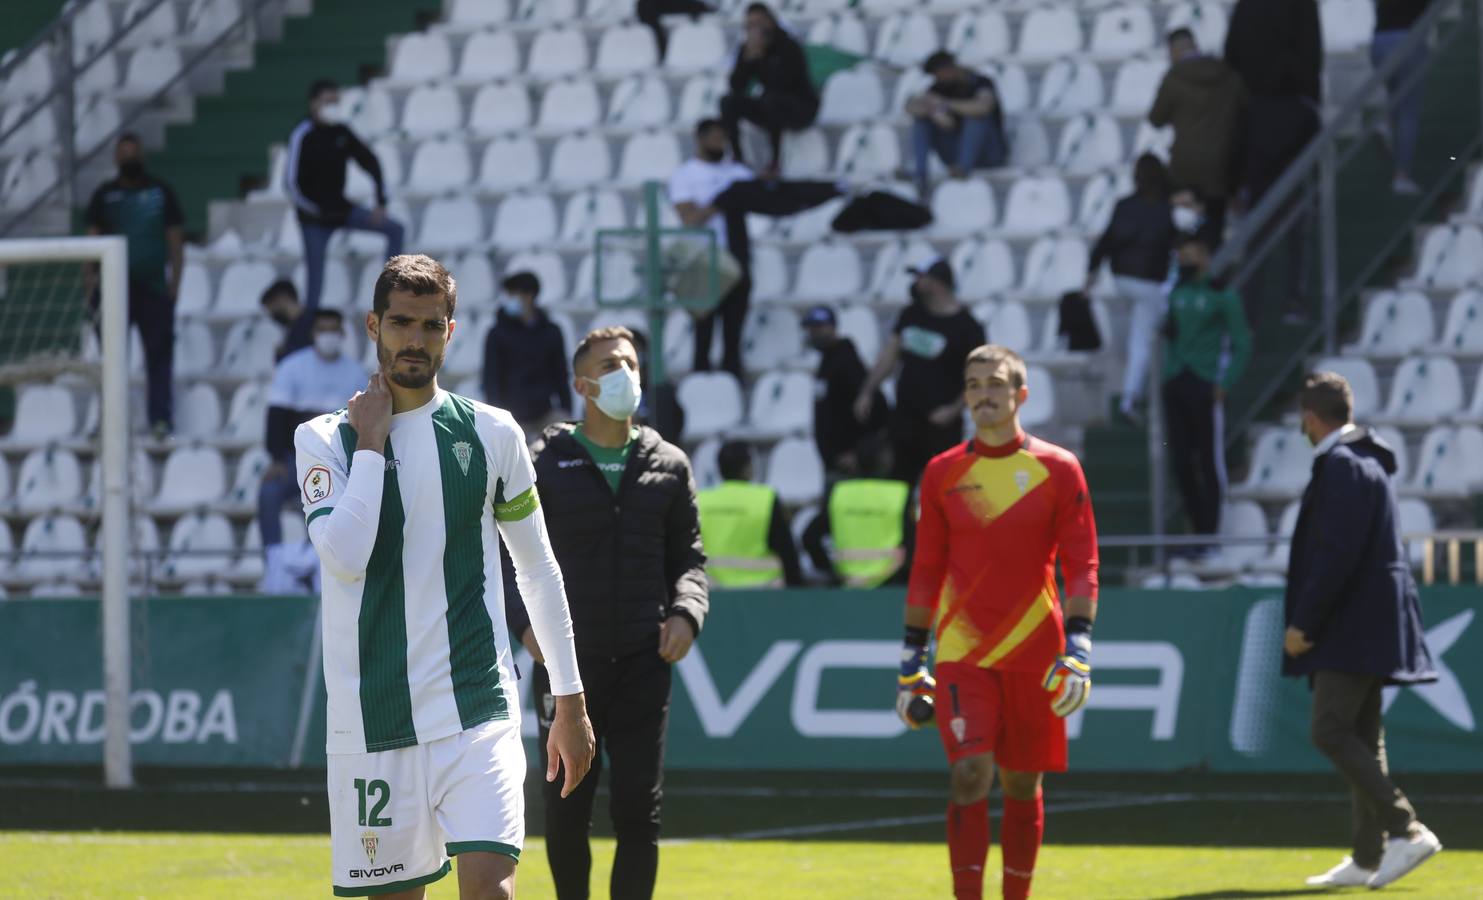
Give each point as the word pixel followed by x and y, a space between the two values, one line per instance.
pixel 618 393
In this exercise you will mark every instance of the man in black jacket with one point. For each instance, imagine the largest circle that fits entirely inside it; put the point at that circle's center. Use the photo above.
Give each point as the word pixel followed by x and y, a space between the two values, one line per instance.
pixel 620 506
pixel 525 358
pixel 837 382
pixel 786 101
pixel 1354 626
pixel 319 148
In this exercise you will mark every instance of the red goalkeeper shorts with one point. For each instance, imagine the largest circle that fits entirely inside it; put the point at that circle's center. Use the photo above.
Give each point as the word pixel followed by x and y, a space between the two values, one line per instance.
pixel 1007 714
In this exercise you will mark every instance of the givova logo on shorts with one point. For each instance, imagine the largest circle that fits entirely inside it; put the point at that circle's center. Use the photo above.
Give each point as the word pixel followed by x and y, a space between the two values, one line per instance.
pixel 381 872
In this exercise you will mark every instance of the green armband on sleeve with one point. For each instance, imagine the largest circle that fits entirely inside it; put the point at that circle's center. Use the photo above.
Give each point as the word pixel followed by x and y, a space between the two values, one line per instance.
pixel 519 508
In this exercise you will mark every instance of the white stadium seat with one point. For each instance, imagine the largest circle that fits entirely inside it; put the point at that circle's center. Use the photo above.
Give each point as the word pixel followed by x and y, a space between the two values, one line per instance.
pixel 439 166
pixel 1050 32
pixel 32 78
pixel 782 404
pixel 696 47
pixel 208 20
pixel 150 69
pixel 195 350
pixel 557 53
pixel 149 26
pixel 510 163
pixel 1462 335
pixel 1206 18
pixel 477 13
pixel 201 545
pixel 905 39
pixel 772 339
pixel 625 50
pixel 828 271
pixel 334 293
pixel 246 417
pixel 1136 84
pixel 1281 464
pixel 795 471
pixel 984 268
pixel 195 289
pixel 26 178
pixel 499 108
pixel 700 98
pixel 588 211
pixel 465 355
pixel 805 154
pixel 889 280
pixel 43 413
pixel 1393 437
pixel 705 463
pixel 92 27
pixel 853 95
pixel 1070 87
pixel 1006 324
pixel 979 37
pixel 369 112
pixel 248 478
pixel 1396 323
pixel 96 123
pixel 1053 267
pixel 489 56
pixel 524 220
pixel 569 105
pixel 1029 144
pixel 811 225
pixel 652 155
pixel 1099 197
pixel 859 323
pixel 476 287
pixel 1036 204
pixel 963 206
pixel 1088 144
pixel 712 402
pixel 1239 519
pixel 868 150
pixel 40 129
pixel 581 159
pixel 420 57
pixel 198 412
pixel 1415 518
pixel 1122 31
pixel 1451 257
pixel 770 279
pixel 1425 390
pixel 1362 380
pixel 248 349
pixel 1040 406
pixel 1346 25
pixel 53 547
pixel 192 477
pixel 451 223
pixel 546 266
pixel 1450 463
pixel 49 479
pixel 432 109
pixel 639 101
pixel 844 32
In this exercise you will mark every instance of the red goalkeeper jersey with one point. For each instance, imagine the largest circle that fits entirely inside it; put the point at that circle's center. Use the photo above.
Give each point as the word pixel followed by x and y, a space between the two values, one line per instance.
pixel 993 521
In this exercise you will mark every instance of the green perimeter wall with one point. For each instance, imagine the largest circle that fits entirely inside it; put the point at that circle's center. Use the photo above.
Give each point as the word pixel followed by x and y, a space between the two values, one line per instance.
pixel 780 680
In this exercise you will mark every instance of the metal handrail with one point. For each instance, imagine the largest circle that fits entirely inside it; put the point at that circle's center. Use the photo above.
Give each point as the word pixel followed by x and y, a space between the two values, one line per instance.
pixel 249 11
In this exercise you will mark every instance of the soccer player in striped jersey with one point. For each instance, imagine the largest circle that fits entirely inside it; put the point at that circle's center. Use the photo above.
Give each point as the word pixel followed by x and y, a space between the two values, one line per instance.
pixel 407 494
pixel 997 512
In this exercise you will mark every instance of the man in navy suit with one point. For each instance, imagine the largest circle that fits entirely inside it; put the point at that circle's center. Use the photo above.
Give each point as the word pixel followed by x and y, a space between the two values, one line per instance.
pixel 1354 626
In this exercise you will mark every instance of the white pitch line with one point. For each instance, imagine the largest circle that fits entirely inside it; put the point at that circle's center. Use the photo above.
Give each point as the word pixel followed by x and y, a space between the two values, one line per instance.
pixel 901 821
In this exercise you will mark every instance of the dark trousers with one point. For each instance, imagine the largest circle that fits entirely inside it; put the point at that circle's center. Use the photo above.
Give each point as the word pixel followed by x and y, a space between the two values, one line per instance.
pixel 152 311
pixel 1278 129
pixel 774 112
pixel 1346 727
pixel 733 314
pixel 272 495
pixel 628 703
pixel 1213 230
pixel 1189 427
pixel 915 440
pixel 649 12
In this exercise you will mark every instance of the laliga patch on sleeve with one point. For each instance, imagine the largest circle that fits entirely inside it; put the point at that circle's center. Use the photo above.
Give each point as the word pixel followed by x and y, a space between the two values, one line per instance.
pixel 317 485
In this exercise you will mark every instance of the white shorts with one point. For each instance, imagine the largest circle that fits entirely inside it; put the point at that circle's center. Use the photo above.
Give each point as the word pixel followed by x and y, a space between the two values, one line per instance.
pixel 397 816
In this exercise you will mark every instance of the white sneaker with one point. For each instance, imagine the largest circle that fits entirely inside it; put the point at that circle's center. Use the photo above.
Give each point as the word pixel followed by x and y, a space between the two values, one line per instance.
pixel 1345 874
pixel 1404 854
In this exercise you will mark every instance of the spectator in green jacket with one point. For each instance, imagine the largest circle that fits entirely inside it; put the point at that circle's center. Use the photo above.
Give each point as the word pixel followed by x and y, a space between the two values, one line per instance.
pixel 1206 351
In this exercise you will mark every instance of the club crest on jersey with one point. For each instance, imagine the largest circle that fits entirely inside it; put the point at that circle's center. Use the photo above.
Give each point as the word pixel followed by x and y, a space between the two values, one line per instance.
pixel 369 840
pixel 1022 480
pixel 317 484
pixel 463 452
pixel 959 727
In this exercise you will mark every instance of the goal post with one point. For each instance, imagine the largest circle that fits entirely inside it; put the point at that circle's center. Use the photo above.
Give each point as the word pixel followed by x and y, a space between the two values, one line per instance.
pixel 45 318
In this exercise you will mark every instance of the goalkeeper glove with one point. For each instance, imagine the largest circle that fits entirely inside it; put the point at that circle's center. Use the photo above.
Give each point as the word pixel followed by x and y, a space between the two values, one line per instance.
pixel 916 686
pixel 1070 678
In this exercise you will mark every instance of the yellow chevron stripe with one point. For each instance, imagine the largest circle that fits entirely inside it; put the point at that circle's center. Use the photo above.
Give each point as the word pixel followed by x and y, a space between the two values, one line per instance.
pixel 1022 629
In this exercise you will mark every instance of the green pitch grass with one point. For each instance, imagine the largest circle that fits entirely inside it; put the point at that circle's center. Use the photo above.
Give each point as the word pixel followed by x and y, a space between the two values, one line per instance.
pixel 1168 838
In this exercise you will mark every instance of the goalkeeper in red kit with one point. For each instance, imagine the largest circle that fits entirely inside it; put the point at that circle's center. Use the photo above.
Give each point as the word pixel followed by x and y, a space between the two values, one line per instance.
pixel 997 512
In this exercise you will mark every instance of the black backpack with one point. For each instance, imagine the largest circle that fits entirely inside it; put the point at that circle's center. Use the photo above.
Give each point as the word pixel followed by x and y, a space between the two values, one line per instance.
pixel 880 211
pixel 1078 325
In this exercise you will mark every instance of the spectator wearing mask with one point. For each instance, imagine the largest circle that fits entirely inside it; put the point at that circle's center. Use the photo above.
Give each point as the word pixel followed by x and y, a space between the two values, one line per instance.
pixel 1276 46
pixel 525 367
pixel 744 529
pixel 930 341
pixel 1138 242
pixel 1393 21
pixel 959 118
pixel 693 188
pixel 770 85
pixel 837 382
pixel 1202 98
pixel 319 148
pixel 306 383
pixel 1208 346
pixel 143 209
pixel 280 302
pixel 650 12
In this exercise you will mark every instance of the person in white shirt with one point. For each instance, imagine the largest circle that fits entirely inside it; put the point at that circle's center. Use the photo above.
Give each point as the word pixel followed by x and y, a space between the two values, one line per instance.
pixel 407 496
pixel 692 189
pixel 306 383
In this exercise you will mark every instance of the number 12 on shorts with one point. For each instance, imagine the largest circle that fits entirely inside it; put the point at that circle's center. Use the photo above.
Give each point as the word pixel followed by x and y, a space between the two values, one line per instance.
pixel 379 790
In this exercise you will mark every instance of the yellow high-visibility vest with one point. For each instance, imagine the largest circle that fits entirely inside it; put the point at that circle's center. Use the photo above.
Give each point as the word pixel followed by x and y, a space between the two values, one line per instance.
pixel 735 517
pixel 865 519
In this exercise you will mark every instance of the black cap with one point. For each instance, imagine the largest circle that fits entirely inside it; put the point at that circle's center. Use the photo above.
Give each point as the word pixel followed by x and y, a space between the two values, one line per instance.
pixel 938 269
pixel 819 315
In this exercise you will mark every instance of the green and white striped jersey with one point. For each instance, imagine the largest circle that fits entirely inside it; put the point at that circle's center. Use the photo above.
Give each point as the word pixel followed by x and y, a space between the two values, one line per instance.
pixel 415 643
